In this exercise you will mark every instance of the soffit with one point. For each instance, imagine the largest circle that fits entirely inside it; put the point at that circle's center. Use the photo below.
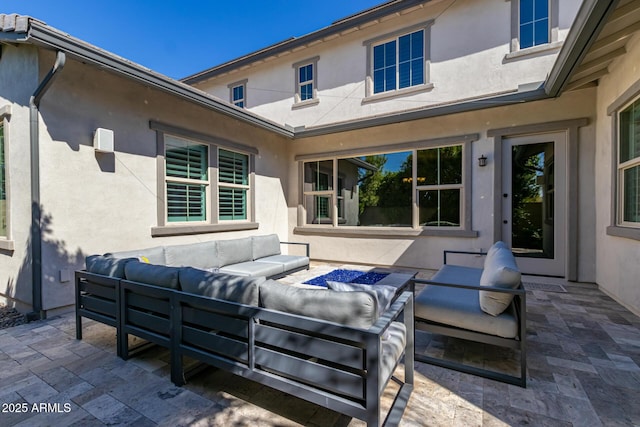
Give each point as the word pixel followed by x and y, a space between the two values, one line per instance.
pixel 621 25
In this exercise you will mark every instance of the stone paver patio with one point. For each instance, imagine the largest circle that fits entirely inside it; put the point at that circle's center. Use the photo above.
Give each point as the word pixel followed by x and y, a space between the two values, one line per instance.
pixel 583 370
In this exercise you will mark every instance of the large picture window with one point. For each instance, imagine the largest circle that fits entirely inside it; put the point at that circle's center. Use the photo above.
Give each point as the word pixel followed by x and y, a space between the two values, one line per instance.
pixel 629 165
pixel 420 188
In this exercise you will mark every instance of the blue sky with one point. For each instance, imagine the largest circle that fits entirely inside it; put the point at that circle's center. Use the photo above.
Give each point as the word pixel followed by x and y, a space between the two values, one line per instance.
pixel 179 38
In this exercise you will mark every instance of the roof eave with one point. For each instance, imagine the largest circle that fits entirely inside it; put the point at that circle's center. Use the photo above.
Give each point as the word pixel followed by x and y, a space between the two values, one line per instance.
pixel 533 92
pixel 589 21
pixel 45 36
pixel 294 42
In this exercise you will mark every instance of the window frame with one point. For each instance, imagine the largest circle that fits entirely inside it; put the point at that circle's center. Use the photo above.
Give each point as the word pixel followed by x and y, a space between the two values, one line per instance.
pixel 232 86
pixel 621 167
pixel 377 41
pixel 6 241
pixel 625 99
pixel 553 43
pixel 212 222
pixel 298 101
pixel 464 230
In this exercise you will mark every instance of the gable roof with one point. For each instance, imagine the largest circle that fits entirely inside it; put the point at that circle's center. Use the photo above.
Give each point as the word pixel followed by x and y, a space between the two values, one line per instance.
pixel 347 24
pixel 24 29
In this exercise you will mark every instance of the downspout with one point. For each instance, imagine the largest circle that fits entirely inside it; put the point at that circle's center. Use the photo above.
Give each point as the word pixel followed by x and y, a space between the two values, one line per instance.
pixel 36 212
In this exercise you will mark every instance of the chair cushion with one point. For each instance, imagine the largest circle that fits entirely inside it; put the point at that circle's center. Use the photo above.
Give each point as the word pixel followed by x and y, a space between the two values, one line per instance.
pixel 158 275
pixel 461 307
pixel 253 268
pixel 264 246
pixel 199 255
pixel 289 262
pixel 234 251
pixel 355 309
pixel 107 265
pixel 500 270
pixel 243 290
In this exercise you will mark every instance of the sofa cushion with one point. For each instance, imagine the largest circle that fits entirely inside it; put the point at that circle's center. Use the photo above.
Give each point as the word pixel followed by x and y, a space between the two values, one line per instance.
pixel 149 255
pixel 234 251
pixel 355 309
pixel 253 268
pixel 264 246
pixel 289 262
pixel 199 255
pixel 243 290
pixel 107 265
pixel 500 270
pixel 152 274
pixel 461 307
pixel 383 293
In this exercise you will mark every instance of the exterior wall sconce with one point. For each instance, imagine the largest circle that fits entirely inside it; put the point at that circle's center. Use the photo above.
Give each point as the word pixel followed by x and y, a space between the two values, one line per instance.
pixel 482 161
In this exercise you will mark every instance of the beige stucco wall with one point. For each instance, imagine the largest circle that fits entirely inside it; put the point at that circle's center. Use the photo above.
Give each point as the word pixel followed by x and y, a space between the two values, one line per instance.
pixel 618 268
pixel 95 202
pixel 18 80
pixel 426 251
pixel 468 47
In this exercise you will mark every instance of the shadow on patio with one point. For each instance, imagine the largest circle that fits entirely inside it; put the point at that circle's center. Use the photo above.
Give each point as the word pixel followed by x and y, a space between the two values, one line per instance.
pixel 583 369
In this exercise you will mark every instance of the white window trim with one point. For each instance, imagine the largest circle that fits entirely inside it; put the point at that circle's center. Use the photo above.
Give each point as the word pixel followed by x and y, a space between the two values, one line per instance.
pixel 212 224
pixel 233 85
pixel 621 168
pixel 465 198
pixel 6 242
pixel 550 47
pixel 297 103
pixel 371 43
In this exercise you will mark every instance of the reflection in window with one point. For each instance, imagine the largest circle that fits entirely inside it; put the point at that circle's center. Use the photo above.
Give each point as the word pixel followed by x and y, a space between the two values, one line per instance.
pixel 318 191
pixel 439 184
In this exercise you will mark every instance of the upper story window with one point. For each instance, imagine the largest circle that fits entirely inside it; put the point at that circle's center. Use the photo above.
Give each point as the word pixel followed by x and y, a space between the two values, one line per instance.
pixel 399 62
pixel 306 82
pixel 534 27
pixel 238 93
pixel 534 23
pixel 629 165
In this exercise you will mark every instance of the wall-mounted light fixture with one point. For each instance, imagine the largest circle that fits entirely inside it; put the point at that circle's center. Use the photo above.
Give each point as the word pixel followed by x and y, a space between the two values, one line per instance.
pixel 103 140
pixel 482 161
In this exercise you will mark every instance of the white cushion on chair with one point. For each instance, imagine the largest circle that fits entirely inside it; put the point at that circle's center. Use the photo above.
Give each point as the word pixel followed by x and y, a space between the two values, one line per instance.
pixel 500 270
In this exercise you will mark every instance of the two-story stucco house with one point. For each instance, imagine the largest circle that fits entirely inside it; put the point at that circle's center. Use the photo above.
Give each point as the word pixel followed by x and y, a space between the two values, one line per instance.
pixel 383 138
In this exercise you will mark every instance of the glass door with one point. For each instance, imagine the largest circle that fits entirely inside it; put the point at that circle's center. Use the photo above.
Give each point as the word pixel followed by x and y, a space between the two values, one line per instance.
pixel 534 194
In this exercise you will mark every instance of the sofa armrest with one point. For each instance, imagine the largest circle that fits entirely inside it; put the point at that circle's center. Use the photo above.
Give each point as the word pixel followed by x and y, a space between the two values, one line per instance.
pixel 396 309
pixel 298 243
pixel 461 252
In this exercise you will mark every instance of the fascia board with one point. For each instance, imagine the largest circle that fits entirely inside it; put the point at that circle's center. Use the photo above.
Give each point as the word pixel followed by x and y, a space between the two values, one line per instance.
pixel 294 42
pixel 47 37
pixel 480 104
pixel 590 19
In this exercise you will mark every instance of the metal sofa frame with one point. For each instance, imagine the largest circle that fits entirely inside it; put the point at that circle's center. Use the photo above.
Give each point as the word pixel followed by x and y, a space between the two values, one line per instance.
pixel 331 365
pixel 517 343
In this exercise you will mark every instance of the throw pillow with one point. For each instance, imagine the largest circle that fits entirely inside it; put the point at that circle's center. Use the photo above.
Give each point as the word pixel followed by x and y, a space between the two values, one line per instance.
pixel 500 270
pixel 384 293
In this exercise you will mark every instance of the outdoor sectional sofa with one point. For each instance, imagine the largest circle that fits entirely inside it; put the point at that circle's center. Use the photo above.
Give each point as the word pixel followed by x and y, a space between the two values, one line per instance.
pixel 486 305
pixel 331 348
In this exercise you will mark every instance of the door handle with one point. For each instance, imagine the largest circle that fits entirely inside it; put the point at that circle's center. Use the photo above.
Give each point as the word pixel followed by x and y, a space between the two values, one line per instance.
pixel 505 222
pixel 505 195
